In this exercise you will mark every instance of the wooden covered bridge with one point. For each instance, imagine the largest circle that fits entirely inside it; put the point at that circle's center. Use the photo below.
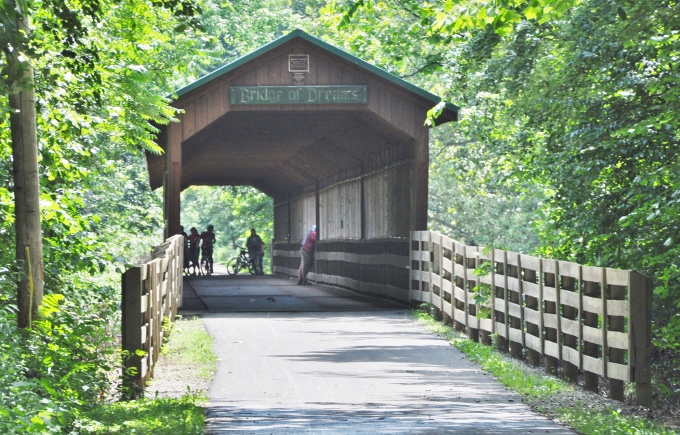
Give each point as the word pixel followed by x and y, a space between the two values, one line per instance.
pixel 335 141
pixel 341 144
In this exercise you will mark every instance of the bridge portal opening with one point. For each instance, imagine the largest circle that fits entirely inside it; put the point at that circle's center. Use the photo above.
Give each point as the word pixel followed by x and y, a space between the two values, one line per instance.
pixel 233 211
pixel 334 141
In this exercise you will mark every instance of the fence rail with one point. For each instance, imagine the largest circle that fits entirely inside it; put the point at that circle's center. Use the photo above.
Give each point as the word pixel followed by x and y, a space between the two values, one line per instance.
pixel 151 292
pixel 593 322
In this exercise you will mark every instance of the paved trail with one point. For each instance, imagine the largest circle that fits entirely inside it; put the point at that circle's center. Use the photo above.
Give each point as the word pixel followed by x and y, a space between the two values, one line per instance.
pixel 366 369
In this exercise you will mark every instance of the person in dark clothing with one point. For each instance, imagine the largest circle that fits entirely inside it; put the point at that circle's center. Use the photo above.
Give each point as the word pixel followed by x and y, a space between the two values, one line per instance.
pixel 186 249
pixel 208 240
pixel 255 247
pixel 194 239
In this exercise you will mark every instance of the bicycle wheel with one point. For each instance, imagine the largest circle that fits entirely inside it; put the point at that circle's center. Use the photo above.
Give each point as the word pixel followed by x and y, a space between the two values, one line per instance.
pixel 251 268
pixel 234 266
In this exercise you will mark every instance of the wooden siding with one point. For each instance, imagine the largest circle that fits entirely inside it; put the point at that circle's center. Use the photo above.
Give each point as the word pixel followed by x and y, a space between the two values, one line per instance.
pixel 379 267
pixel 303 216
pixel 281 222
pixel 387 198
pixel 340 211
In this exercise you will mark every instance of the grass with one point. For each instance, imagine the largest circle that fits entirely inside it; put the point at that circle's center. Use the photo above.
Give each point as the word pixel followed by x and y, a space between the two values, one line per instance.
pixel 609 422
pixel 190 349
pixel 545 394
pixel 147 416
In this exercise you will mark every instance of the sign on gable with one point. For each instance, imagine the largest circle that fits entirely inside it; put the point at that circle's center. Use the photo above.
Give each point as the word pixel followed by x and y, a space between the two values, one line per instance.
pixel 264 95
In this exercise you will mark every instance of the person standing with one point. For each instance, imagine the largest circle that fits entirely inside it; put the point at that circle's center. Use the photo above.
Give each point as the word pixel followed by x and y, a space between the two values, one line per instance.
pixel 194 240
pixel 255 247
pixel 307 255
pixel 185 249
pixel 208 240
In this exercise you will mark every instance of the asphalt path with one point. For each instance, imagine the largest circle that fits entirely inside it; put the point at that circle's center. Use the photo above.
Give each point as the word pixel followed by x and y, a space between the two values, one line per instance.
pixel 297 359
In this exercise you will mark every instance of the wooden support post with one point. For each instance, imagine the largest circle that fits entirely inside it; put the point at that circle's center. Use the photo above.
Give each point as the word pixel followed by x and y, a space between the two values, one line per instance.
pixel 640 333
pixel 290 216
pixel 516 323
pixel 591 349
pixel 317 213
pixel 571 371
pixel 473 329
pixel 551 363
pixel 616 324
pixel 362 211
pixel 533 356
pixel 132 322
pixel 180 269
pixel 172 186
pixel 505 343
pixel 422 162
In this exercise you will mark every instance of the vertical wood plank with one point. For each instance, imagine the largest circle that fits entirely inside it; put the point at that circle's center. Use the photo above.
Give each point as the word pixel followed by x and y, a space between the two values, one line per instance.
pixel 173 180
pixel 640 335
pixel 421 168
pixel 132 320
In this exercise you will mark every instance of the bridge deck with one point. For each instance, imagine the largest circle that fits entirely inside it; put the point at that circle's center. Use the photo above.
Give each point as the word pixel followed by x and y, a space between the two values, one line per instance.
pixel 246 293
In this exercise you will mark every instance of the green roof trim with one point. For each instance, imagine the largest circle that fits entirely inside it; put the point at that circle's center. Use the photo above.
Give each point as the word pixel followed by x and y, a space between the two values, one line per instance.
pixel 326 46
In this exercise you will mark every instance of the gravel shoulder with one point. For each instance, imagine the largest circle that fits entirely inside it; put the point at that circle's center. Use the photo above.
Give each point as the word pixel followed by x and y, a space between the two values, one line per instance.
pixel 173 376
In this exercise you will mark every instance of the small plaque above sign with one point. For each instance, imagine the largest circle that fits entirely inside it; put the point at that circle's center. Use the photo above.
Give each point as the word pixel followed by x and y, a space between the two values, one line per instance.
pixel 264 95
pixel 298 63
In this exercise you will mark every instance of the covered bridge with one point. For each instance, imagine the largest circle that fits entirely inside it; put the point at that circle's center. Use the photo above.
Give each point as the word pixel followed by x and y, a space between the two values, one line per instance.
pixel 333 140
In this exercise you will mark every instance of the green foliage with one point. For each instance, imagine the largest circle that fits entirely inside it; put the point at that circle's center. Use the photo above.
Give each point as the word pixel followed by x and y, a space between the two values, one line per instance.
pixel 65 361
pixel 609 422
pixel 148 416
pixel 233 211
pixel 190 348
pixel 508 372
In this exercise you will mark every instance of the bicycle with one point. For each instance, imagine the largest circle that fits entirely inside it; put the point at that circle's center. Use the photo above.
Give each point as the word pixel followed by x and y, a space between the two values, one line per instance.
pixel 206 265
pixel 242 261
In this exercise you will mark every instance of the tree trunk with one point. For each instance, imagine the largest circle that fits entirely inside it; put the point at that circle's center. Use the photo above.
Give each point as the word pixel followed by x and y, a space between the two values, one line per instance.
pixel 26 184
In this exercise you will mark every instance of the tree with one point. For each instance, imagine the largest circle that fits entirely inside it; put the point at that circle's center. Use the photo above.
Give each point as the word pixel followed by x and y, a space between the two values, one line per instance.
pixel 61 58
pixel 28 235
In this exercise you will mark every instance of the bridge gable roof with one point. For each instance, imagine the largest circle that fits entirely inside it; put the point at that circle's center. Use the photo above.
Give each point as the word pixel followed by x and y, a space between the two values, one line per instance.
pixel 450 110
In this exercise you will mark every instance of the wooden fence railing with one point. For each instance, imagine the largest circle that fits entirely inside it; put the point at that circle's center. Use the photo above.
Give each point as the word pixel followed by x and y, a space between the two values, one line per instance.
pixel 152 292
pixel 592 322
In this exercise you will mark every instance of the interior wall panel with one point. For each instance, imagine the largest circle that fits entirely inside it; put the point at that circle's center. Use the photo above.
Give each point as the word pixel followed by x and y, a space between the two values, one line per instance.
pixel 340 211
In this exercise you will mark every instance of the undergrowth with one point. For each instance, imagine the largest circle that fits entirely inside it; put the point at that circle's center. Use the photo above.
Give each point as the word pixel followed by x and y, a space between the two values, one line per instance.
pixel 147 416
pixel 190 347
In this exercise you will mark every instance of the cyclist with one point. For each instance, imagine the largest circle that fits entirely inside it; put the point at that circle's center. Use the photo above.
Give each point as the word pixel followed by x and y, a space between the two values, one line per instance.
pixel 255 247
pixel 208 240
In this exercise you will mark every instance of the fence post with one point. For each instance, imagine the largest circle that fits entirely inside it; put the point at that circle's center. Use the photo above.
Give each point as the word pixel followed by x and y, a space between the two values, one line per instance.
pixel 530 275
pixel 640 299
pixel 132 321
pixel 590 288
pixel 617 324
